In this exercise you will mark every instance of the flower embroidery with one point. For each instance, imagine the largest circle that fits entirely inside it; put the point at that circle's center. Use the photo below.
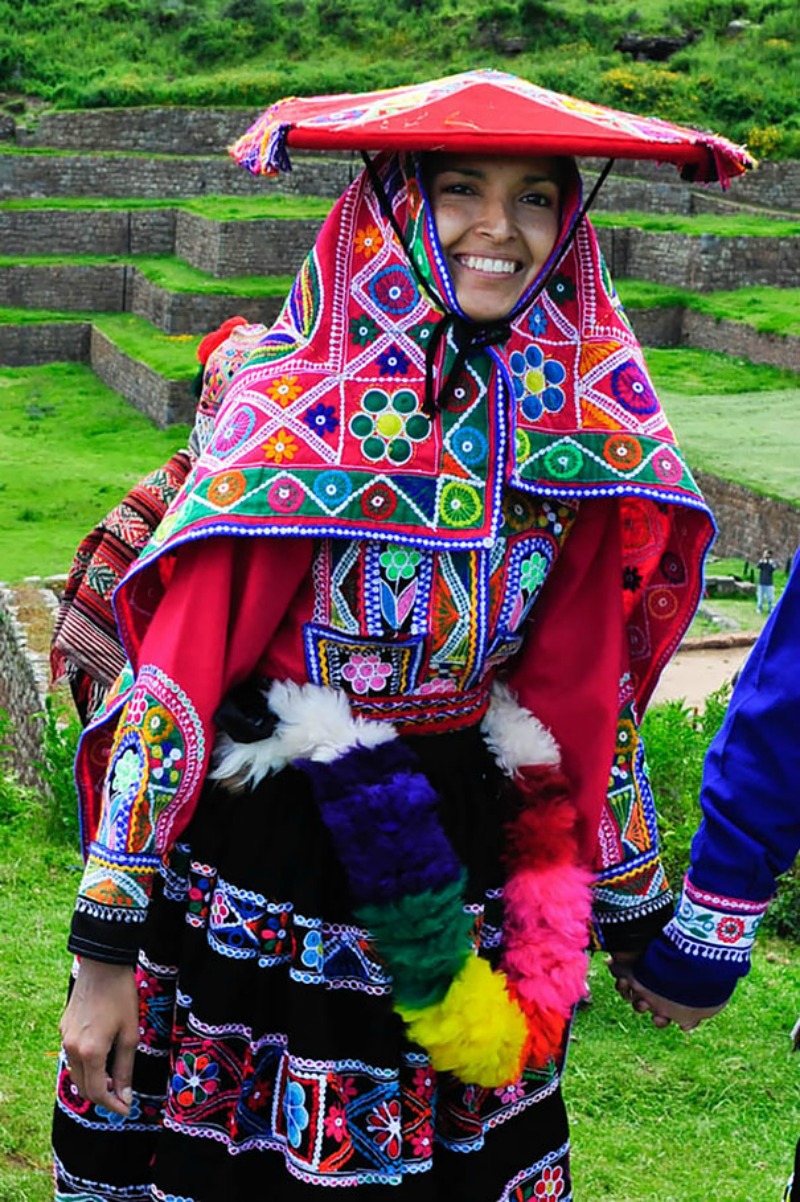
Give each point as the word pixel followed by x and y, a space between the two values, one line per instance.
pixel 118 1120
pixel 469 445
pixel 438 685
pixel 285 390
pixel 424 1083
pixel 460 504
pixel 564 460
pixel 285 495
pixel 388 425
pixel 536 381
pixel 336 1123
pixel 626 738
pixel 368 241
pixel 311 955
pixel 672 568
pixel 631 579
pixel 198 899
pixel 561 288
pixel 422 1140
pixel 158 725
pixel 273 934
pixel 393 362
pixel 227 488
pixel 667 466
pixel 400 563
pixel 378 502
pixel 421 333
pixel 730 929
pixel 631 388
pixel 366 673
pixel 550 1184
pixel 662 603
pixel 511 1092
pixel 321 418
pixel 281 446
pixel 295 1112
pixel 236 430
pixel 623 451
pixel 126 772
pixel 363 330
pixel 166 762
pixel 384 1125
pixel 331 488
pixel 532 572
pixel 394 291
pixel 195 1079
pixel 537 321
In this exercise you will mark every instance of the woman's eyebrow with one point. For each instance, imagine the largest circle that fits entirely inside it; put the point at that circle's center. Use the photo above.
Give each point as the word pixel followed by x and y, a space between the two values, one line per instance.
pixel 477 173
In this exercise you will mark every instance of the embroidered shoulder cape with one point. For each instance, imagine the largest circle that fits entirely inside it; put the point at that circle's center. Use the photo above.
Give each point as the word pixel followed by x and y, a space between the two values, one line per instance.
pixel 322 430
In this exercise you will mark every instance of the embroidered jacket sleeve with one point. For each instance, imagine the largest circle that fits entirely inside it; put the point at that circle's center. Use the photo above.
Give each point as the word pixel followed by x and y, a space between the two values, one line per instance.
pixel 224 602
pixel 573 674
pixel 750 832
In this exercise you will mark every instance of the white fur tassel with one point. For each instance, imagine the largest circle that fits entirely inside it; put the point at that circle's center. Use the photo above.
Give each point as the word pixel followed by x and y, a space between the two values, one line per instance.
pixel 315 723
pixel 514 736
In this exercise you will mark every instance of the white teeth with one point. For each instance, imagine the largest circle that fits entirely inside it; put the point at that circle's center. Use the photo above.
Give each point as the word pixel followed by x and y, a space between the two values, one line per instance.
pixel 496 266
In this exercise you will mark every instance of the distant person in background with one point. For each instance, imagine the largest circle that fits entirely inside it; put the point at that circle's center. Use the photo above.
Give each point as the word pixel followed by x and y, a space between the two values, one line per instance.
pixel 749 835
pixel 765 587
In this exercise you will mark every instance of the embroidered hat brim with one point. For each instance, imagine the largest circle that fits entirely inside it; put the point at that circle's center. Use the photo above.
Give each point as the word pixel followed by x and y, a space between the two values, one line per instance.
pixel 480 112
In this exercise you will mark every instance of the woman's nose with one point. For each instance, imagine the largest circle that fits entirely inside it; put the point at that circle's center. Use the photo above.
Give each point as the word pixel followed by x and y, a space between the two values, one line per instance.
pixel 496 218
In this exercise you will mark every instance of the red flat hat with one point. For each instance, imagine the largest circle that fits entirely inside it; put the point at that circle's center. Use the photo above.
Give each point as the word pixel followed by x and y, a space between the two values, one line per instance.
pixel 480 112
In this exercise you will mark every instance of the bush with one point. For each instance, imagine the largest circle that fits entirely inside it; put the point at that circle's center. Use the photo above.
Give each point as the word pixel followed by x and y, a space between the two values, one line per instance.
pixel 60 734
pixel 15 800
pixel 677 738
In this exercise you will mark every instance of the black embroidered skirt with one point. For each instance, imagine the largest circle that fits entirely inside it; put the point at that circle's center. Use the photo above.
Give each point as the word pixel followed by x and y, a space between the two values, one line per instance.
pixel 270 1060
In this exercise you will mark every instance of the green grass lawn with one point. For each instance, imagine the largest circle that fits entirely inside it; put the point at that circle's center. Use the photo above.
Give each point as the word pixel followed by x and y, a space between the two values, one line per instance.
pixel 216 208
pixel 657 1116
pixel 661 1116
pixel 70 448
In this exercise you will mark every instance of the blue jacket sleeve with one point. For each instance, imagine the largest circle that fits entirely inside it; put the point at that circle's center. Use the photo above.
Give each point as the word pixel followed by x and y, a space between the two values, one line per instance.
pixel 750 832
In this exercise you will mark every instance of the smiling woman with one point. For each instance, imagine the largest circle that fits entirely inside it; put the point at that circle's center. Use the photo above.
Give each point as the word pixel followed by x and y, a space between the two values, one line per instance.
pixel 388 651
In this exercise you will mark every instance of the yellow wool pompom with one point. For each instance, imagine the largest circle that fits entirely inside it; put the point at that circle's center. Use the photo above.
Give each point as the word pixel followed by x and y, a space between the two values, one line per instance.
pixel 477 1031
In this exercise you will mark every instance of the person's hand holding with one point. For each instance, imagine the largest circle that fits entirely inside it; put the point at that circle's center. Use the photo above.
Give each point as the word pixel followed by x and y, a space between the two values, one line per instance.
pixel 102 1014
pixel 663 1009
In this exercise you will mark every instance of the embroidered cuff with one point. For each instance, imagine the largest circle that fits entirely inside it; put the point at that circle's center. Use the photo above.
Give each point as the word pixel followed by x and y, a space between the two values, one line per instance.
pixel 704 950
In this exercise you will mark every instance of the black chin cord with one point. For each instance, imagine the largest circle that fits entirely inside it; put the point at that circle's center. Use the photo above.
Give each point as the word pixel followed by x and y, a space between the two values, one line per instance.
pixel 468 338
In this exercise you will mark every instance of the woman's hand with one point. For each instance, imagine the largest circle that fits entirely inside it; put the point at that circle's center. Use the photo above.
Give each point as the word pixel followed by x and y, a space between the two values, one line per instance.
pixel 663 1010
pixel 102 1014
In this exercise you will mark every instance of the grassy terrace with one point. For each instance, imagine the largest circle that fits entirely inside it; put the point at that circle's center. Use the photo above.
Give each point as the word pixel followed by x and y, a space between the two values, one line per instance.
pixel 164 270
pixel 769 310
pixel 224 208
pixel 217 208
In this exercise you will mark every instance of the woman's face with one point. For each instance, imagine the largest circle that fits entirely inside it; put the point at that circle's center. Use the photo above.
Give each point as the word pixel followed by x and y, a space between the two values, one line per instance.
pixel 497 219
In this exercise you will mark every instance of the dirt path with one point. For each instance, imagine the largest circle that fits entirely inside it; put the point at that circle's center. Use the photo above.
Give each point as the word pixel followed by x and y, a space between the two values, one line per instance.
pixel 694 673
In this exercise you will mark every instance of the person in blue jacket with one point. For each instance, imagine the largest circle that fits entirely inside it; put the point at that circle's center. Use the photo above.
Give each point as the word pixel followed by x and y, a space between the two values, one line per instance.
pixel 748 836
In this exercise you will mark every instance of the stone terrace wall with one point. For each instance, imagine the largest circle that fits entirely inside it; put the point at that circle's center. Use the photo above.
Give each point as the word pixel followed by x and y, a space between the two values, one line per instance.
pixel 45 342
pixel 770 186
pixel 748 522
pixel 232 248
pixel 152 130
pixel 87 232
pixel 118 176
pixel 734 338
pixel 701 263
pixel 99 289
pixel 195 313
pixel 23 681
pixel 163 401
